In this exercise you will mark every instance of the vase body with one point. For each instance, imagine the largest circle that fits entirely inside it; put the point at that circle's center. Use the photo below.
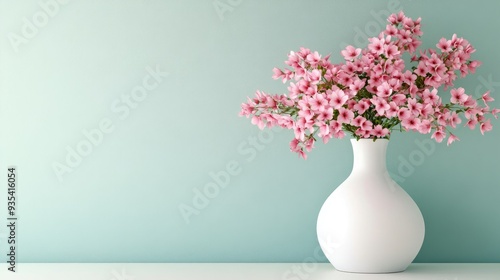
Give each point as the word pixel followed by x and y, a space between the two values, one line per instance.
pixel 369 224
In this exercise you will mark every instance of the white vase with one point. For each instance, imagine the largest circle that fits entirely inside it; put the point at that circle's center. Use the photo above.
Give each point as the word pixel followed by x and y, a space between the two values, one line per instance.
pixel 369 224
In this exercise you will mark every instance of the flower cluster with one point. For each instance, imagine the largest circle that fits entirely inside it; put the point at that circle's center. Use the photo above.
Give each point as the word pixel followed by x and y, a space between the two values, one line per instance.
pixel 371 93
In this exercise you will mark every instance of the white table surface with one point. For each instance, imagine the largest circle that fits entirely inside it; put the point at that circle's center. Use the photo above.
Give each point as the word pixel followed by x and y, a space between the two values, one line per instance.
pixel 239 271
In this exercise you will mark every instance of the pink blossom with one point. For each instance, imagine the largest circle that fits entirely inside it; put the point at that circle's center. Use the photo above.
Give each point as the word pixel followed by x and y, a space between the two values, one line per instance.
pixel 452 139
pixel 438 135
pixel 393 110
pixel 404 114
pixel 470 102
pixel 357 85
pixel 359 121
pixel 324 129
pixel 313 58
pixel 414 107
pixel 487 98
pixel 411 123
pixel 384 90
pixel 350 53
pixel 314 76
pixel 444 45
pixel 299 132
pixel 380 105
pixel 362 106
pixel 335 126
pixel 494 112
pixel 454 119
pixel 471 123
pixel 256 120
pixel 309 143
pixel 430 97
pixel 426 110
pixel 485 126
pixel 458 96
pixel 367 125
pixel 425 126
pixel 345 116
pixel 376 45
pixel 338 99
pixel 378 131
pixel 399 99
pixel 318 103
pixel 325 115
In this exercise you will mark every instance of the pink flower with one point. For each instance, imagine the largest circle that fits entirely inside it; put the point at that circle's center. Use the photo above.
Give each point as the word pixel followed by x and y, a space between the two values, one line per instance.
pixel 309 143
pixel 299 132
pixel 414 106
pixel 470 102
pixel 350 53
pixel 359 121
pixel 384 90
pixel 458 96
pixel 378 131
pixel 335 126
pixel 345 116
pixel 324 129
pixel 338 99
pixel 318 103
pixel 494 112
pixel 325 115
pixel 357 85
pixel 454 119
pixel 313 58
pixel 426 110
pixel 471 123
pixel 376 45
pixel 485 127
pixel 421 69
pixel 425 126
pixel 362 106
pixel 277 73
pixel 411 123
pixel 256 120
pixel 380 105
pixel 487 98
pixel 444 45
pixel 439 135
pixel 294 144
pixel 452 139
pixel 399 99
pixel 393 110
pixel 430 97
pixel 367 125
pixel 314 76
pixel 404 114
pixel 391 51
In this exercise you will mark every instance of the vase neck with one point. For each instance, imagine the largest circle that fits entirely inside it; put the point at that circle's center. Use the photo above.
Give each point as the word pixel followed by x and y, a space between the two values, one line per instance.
pixel 369 156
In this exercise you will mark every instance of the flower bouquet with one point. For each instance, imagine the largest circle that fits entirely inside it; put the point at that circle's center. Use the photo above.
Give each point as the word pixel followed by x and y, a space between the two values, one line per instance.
pixel 373 92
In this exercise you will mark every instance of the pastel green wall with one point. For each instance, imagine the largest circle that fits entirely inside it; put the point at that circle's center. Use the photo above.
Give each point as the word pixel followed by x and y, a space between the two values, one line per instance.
pixel 121 202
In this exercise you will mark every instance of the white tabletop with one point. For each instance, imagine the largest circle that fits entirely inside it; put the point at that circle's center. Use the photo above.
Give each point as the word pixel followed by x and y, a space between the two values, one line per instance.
pixel 239 271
